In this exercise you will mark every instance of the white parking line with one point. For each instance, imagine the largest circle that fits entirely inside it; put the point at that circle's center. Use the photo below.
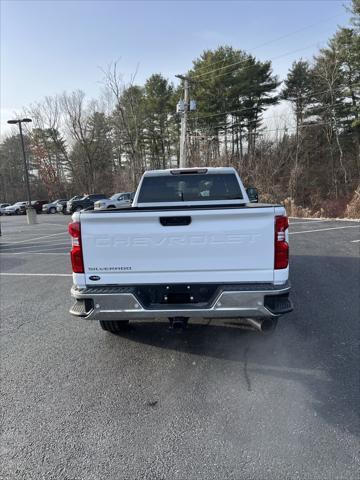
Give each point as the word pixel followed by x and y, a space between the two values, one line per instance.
pixel 38 226
pixel 7 274
pixel 357 220
pixel 312 221
pixel 304 218
pixel 354 241
pixel 38 238
pixel 28 234
pixel 55 224
pixel 323 229
pixel 34 253
pixel 5 248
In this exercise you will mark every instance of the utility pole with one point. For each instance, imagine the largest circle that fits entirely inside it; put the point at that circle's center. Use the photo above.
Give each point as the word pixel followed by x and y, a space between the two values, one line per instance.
pixel 184 121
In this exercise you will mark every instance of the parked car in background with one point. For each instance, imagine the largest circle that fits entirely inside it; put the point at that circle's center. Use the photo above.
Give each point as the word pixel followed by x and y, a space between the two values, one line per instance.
pixel 2 207
pixel 61 206
pixel 38 205
pixel 84 202
pixel 51 207
pixel 16 209
pixel 118 200
pixel 252 194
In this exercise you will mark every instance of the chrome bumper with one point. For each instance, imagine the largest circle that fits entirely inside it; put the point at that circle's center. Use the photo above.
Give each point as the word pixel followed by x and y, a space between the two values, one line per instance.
pixel 116 303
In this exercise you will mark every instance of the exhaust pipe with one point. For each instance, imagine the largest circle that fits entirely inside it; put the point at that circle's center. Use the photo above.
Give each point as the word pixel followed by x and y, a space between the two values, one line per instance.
pixel 264 325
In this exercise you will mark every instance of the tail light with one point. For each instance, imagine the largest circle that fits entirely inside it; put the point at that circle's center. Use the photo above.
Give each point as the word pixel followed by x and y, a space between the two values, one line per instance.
pixel 281 245
pixel 76 250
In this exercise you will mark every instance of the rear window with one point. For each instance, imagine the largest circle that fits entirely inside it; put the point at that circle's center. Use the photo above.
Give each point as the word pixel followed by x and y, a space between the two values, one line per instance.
pixel 190 187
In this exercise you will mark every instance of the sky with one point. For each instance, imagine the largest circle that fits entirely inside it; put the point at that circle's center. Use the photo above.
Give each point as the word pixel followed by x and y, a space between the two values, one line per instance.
pixel 51 46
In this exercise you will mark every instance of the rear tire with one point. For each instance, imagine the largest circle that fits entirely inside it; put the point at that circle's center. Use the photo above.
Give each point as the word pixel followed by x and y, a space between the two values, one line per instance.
pixel 115 327
pixel 78 209
pixel 52 210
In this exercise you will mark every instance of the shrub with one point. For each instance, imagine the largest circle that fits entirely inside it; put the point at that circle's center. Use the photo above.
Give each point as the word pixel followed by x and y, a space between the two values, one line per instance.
pixel 353 207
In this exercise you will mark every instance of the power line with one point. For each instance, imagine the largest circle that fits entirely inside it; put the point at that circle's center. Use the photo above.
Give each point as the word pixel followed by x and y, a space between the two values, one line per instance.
pixel 231 126
pixel 294 32
pixel 250 66
pixel 230 112
pixel 223 113
pixel 304 125
pixel 254 65
pixel 308 125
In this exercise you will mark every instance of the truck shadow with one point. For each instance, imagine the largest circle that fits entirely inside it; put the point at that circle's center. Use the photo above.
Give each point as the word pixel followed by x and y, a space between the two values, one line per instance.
pixel 316 345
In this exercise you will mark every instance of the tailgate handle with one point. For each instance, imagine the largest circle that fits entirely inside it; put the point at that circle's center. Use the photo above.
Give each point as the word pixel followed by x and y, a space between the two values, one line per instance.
pixel 174 221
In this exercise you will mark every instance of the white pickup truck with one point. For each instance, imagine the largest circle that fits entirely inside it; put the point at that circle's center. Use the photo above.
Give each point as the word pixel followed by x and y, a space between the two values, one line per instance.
pixel 191 245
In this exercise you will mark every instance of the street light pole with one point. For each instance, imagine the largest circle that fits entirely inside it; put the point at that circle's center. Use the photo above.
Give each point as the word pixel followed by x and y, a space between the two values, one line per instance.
pixel 30 211
pixel 25 165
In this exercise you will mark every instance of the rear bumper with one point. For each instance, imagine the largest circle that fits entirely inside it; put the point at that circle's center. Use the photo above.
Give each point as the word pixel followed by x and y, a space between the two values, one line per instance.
pixel 229 301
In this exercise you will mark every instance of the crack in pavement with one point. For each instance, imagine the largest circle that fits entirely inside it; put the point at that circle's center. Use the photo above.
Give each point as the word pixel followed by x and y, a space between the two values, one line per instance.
pixel 246 373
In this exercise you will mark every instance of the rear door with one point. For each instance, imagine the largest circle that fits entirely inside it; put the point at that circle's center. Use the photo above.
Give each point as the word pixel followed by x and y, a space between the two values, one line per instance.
pixel 223 245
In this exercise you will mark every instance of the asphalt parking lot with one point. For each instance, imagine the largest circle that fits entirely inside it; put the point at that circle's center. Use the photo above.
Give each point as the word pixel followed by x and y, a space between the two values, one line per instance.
pixel 213 402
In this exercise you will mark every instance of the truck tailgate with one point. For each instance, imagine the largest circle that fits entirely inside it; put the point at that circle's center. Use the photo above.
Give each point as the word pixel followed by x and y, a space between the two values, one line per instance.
pixel 219 245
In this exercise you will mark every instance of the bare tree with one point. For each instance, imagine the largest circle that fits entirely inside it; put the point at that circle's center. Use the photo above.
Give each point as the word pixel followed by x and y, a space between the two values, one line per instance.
pixel 328 74
pixel 48 144
pixel 126 117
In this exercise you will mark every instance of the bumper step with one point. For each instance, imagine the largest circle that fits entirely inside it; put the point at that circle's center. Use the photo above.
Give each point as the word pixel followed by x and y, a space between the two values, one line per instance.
pixel 82 308
pixel 278 304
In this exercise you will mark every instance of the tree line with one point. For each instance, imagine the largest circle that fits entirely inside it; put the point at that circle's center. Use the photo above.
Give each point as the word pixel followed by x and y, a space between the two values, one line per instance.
pixel 76 145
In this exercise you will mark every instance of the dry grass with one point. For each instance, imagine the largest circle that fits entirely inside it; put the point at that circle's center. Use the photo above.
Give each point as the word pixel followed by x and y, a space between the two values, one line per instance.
pixel 340 208
pixel 353 207
pixel 293 210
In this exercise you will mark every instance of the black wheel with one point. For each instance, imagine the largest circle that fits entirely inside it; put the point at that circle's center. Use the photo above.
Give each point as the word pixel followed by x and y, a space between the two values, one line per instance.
pixel 77 209
pixel 16 212
pixel 117 326
pixel 52 210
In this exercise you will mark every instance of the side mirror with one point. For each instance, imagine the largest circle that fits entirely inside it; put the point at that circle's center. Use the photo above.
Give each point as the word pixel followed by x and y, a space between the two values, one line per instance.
pixel 252 193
